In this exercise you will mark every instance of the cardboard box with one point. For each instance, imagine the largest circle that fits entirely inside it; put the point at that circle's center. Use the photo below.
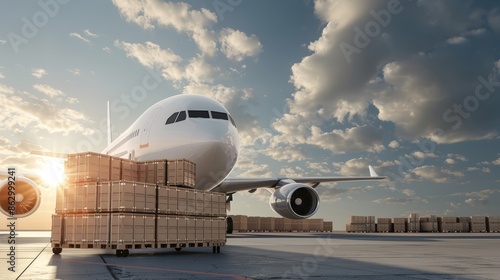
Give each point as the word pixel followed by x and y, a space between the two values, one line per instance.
pixel 129 170
pixel 104 197
pixel 357 220
pixel 182 201
pixel 69 229
pixel 56 236
pixel 384 220
pixel 191 202
pixel 150 198
pixel 266 223
pixel 282 224
pixel 123 196
pixel 193 227
pixel 122 228
pixel 316 224
pixel 240 222
pixel 200 222
pixel 253 223
pixel 102 227
pixel 181 173
pixel 328 226
pixel 208 225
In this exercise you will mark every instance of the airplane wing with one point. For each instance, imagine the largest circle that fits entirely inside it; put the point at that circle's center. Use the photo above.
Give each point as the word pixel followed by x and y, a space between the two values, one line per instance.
pixel 232 185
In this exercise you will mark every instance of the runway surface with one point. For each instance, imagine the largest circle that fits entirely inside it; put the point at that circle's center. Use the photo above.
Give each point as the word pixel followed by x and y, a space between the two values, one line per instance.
pixel 271 256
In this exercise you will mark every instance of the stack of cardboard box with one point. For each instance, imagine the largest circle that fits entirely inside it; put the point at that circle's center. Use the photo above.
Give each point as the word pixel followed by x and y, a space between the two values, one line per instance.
pixel 384 225
pixel 113 203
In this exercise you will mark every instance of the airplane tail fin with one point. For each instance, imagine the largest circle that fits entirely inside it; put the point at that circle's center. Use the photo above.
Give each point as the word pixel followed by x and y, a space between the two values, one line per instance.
pixel 372 171
pixel 109 127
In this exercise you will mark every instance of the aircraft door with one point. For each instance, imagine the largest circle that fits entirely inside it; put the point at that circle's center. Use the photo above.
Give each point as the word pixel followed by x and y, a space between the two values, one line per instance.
pixel 146 129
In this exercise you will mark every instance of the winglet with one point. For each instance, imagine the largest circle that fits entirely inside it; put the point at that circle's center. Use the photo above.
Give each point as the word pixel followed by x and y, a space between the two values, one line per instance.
pixel 372 171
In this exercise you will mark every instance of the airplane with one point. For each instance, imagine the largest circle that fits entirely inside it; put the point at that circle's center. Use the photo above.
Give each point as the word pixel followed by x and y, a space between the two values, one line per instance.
pixel 200 129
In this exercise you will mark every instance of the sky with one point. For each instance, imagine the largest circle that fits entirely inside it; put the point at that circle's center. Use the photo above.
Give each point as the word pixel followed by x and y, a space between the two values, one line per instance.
pixel 317 88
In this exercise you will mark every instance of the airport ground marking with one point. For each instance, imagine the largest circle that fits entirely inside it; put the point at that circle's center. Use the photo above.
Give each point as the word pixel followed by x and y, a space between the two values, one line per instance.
pixel 239 277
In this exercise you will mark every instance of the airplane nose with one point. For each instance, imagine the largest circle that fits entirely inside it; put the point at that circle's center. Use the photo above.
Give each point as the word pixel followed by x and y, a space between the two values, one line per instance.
pixel 216 149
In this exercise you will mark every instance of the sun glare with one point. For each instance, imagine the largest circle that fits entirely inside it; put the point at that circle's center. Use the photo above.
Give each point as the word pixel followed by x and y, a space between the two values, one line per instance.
pixel 52 172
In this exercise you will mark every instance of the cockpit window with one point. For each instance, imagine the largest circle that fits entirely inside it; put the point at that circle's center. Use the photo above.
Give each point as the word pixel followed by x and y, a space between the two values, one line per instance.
pixel 219 115
pixel 172 118
pixel 181 117
pixel 198 114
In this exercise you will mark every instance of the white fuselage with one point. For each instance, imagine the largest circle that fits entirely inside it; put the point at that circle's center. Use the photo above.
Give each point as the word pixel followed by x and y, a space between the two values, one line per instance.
pixel 204 133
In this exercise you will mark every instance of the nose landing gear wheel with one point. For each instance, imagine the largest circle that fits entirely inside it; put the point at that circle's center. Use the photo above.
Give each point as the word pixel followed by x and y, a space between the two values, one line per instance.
pixel 56 251
pixel 122 253
pixel 178 249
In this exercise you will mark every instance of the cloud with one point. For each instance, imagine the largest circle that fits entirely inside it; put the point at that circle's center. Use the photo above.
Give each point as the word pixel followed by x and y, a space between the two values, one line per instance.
pixel 408 192
pixel 237 45
pixel 89 33
pixel 422 155
pixel 477 201
pixel 457 40
pixel 75 71
pixel 24 110
pixel 435 174
pixel 48 90
pixel 454 158
pixel 285 154
pixel 331 193
pixel 352 167
pixel 38 72
pixel 363 138
pixel 496 162
pixel 402 200
pixel 78 36
pixel 394 144
pixel 413 82
pixel 250 168
pixel 4 89
pixel 72 100
pixel 3 42
pixel 322 167
pixel 106 49
pixel 149 13
pixel 149 54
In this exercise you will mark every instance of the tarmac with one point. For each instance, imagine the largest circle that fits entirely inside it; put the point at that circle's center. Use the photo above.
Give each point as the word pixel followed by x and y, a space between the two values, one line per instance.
pixel 335 255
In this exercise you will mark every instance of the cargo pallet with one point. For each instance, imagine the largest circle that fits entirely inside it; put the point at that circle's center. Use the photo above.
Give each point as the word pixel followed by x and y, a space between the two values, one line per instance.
pixel 122 250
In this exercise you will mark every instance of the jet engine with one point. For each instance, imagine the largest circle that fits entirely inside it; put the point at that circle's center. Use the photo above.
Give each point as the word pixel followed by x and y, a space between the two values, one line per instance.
pixel 24 200
pixel 295 201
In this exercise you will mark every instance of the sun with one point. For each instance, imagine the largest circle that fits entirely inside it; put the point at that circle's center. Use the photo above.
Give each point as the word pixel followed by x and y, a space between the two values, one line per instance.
pixel 51 171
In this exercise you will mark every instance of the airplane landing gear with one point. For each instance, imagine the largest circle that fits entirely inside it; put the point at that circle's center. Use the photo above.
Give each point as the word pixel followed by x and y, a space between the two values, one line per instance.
pixel 122 253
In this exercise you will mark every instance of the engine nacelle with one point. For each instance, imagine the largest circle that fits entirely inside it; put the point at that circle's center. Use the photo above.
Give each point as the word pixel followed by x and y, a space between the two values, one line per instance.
pixel 295 201
pixel 27 198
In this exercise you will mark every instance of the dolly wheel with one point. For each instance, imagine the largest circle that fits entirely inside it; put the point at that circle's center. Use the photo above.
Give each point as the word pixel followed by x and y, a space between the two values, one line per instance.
pixel 214 249
pixel 125 253
pixel 218 249
pixel 56 251
pixel 178 249
pixel 119 253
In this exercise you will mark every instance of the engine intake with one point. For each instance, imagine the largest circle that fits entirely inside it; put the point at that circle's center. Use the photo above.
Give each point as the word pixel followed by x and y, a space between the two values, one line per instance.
pixel 27 198
pixel 295 201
